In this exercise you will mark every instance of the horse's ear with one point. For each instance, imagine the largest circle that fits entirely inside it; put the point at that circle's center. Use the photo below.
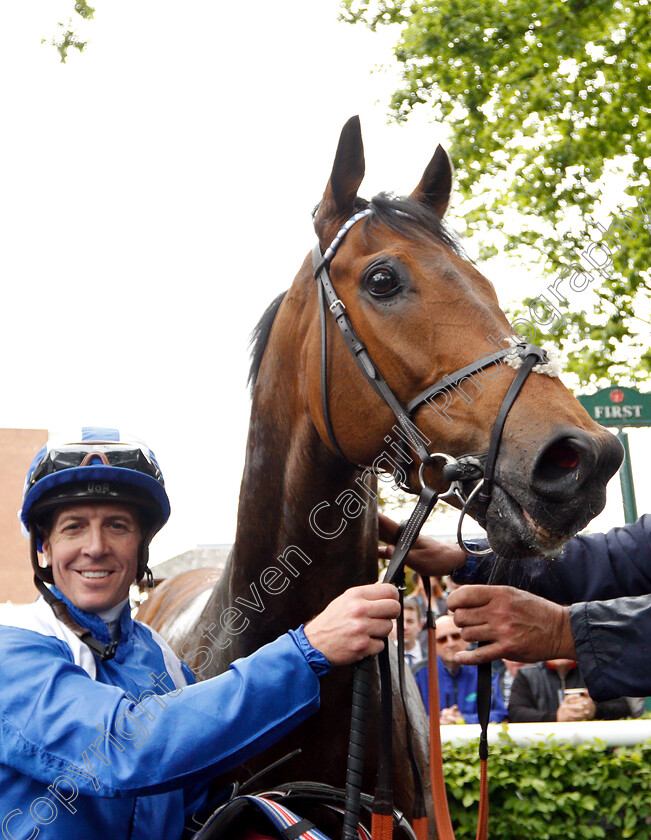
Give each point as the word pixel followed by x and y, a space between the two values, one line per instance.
pixel 436 184
pixel 338 202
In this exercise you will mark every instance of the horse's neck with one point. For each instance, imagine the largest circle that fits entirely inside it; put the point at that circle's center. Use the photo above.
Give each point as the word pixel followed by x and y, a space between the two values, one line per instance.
pixel 283 570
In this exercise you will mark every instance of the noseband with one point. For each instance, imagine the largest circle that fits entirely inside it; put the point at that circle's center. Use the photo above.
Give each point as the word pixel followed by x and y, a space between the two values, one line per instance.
pixel 456 470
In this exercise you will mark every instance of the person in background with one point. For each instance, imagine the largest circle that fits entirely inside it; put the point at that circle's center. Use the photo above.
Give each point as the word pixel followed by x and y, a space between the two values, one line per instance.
pixel 438 604
pixel 554 691
pixel 457 683
pixel 413 624
pixel 507 675
pixel 438 594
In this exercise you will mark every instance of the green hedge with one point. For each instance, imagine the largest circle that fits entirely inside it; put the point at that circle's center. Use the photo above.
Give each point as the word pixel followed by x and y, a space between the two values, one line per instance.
pixel 553 790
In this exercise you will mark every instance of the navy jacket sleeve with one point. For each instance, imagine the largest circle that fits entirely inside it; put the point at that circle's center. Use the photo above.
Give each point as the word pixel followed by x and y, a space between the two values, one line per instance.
pixel 590 568
pixel 613 645
pixel 607 579
pixel 596 567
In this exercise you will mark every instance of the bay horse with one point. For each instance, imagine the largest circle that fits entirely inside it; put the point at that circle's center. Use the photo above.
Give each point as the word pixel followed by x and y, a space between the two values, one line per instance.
pixel 307 517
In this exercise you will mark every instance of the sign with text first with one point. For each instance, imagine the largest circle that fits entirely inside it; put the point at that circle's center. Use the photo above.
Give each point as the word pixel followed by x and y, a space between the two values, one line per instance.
pixel 618 406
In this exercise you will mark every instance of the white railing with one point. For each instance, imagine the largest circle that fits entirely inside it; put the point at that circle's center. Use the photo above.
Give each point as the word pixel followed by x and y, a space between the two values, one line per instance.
pixel 616 733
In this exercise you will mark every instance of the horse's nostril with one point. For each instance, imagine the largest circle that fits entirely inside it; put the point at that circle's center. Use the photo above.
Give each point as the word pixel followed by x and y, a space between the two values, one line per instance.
pixel 563 461
pixel 562 455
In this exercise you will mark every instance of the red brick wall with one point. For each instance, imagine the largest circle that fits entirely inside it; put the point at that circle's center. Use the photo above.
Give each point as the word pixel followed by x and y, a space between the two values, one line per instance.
pixel 17 448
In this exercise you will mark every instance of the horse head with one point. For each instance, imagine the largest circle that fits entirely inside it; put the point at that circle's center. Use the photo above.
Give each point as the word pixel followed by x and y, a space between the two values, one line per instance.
pixel 423 310
pixel 377 384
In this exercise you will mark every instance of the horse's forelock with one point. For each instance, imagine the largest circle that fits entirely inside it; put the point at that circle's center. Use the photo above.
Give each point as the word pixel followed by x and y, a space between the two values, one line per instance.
pixel 409 218
pixel 260 336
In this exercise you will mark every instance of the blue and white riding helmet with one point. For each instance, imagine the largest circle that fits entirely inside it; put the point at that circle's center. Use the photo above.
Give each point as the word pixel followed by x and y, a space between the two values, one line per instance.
pixel 98 464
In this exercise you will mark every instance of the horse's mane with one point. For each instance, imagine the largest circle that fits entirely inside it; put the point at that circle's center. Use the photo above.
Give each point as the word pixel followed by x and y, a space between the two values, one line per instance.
pixel 402 215
pixel 260 336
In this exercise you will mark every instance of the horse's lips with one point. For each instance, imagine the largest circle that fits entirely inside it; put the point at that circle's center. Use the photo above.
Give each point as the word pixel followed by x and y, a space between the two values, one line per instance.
pixel 543 535
pixel 513 532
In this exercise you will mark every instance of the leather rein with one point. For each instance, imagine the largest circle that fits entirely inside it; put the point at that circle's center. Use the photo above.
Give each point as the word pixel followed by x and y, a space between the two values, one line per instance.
pixel 457 471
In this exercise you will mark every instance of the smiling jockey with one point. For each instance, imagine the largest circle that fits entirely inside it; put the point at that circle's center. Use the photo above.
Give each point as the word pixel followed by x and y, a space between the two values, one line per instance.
pixel 104 732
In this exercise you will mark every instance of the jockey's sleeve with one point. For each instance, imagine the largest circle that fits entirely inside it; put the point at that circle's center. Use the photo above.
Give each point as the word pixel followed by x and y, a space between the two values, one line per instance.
pixel 317 660
pixel 56 720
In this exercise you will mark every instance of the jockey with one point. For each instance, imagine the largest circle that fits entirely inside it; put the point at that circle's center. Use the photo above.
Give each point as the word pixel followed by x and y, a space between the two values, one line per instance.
pixel 104 732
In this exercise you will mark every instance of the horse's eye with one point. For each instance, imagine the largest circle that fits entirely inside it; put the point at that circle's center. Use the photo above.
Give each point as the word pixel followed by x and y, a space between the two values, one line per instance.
pixel 383 283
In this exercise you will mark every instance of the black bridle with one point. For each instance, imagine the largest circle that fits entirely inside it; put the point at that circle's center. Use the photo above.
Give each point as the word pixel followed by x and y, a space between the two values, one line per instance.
pixel 455 470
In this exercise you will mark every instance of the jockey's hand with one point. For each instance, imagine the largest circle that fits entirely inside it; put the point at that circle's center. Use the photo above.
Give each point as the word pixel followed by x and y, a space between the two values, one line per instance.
pixel 427 556
pixel 355 624
pixel 515 624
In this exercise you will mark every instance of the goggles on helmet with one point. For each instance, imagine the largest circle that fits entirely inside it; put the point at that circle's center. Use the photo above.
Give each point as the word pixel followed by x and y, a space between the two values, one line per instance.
pixel 87 454
pixel 126 467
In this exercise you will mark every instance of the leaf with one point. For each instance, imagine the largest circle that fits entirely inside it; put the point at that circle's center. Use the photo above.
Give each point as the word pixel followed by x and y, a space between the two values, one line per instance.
pixel 82 8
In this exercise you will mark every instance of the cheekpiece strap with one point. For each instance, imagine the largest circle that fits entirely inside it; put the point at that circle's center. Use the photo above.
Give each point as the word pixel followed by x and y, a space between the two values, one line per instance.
pixel 356 347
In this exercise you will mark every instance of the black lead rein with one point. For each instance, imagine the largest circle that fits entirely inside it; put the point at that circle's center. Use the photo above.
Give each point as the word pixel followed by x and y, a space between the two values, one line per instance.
pixel 419 515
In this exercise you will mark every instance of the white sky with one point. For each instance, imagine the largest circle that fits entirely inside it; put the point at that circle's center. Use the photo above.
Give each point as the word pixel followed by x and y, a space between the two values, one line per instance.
pixel 155 195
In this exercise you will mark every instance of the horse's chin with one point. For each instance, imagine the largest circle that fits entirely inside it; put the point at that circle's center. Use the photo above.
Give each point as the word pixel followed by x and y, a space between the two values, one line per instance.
pixel 514 533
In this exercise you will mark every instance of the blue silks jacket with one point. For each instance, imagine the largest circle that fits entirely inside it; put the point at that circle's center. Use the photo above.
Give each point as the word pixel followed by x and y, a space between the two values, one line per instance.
pixel 461 689
pixel 126 748
pixel 607 580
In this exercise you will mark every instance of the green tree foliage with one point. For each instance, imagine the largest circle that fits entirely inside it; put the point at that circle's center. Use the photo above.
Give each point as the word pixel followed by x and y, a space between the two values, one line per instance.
pixel 547 100
pixel 69 38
